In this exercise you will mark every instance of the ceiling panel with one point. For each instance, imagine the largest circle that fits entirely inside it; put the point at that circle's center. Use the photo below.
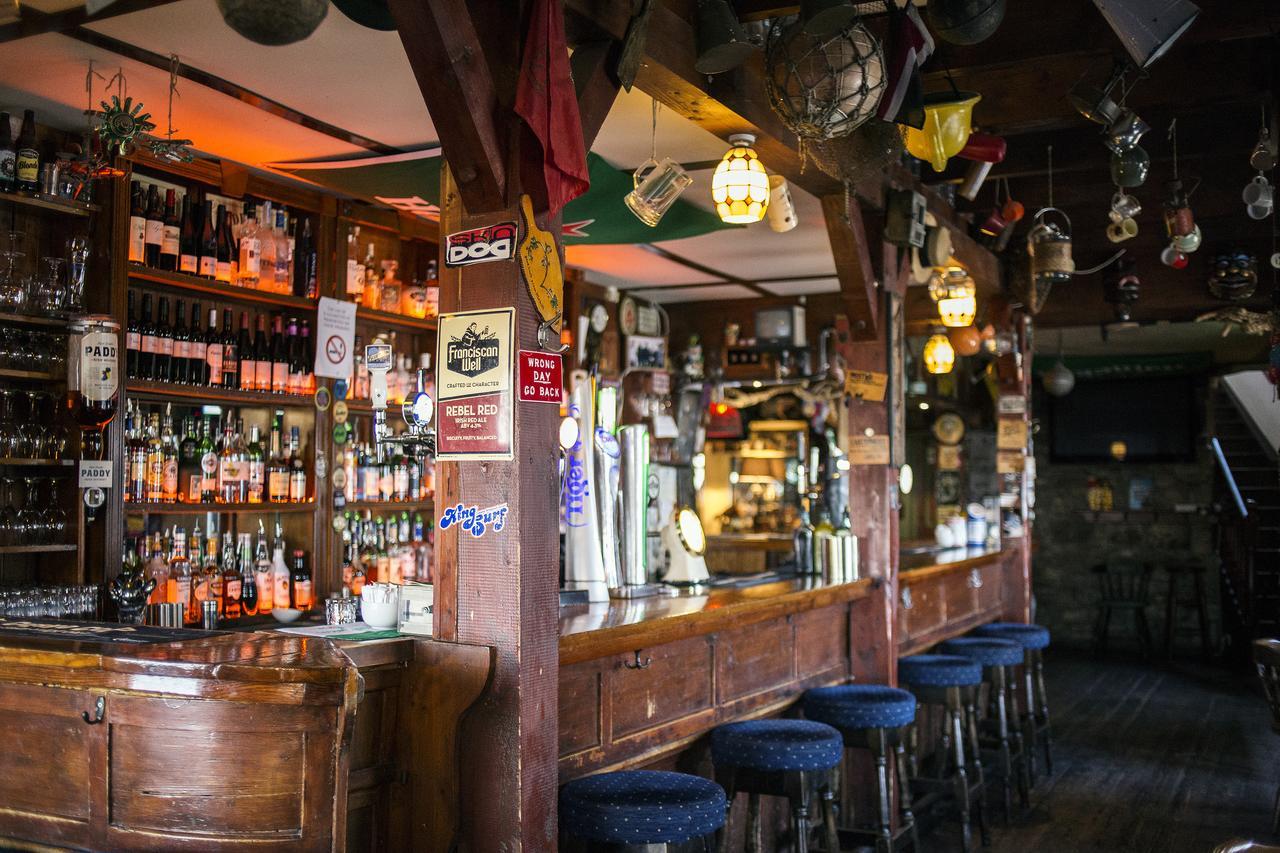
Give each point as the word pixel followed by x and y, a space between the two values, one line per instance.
pixel 695 294
pixel 802 287
pixel 630 266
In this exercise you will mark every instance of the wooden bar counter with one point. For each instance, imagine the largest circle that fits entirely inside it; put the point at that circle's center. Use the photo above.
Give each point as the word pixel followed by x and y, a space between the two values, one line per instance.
pixel 948 593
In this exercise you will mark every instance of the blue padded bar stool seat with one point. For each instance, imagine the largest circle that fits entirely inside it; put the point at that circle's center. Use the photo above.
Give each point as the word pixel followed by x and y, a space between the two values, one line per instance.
pixel 1034 639
pixel 955 775
pixel 1005 740
pixel 640 807
pixel 873 717
pixel 786 758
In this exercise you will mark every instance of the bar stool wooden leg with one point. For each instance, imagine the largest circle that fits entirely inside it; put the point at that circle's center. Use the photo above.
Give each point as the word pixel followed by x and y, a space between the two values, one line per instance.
pixel 978 807
pixel 904 788
pixel 799 785
pixel 1017 730
pixel 1042 711
pixel 955 725
pixel 725 779
pixel 1029 717
pixel 830 833
pixel 1002 732
pixel 754 832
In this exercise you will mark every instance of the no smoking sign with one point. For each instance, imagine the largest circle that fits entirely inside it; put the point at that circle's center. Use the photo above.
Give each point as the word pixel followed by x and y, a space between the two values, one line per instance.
pixel 335 349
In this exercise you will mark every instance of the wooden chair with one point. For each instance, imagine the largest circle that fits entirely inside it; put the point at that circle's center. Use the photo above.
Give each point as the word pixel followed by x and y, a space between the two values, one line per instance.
pixel 1266 655
pixel 1123 584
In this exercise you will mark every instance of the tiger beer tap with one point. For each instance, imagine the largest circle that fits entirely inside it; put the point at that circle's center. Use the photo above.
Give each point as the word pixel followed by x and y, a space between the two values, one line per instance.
pixel 418 441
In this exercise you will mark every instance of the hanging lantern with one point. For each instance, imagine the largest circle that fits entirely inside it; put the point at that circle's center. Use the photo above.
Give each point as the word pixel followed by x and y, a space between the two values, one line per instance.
pixel 274 22
pixel 1049 245
pixel 823 87
pixel 939 355
pixel 1059 380
pixel 966 340
pixel 957 296
pixel 740 186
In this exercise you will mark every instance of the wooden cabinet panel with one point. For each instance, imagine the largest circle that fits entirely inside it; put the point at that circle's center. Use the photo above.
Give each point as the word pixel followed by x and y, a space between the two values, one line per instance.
pixel 580 708
pixel 960 595
pixel 676 682
pixel 822 640
pixel 45 747
pixel 754 658
pixel 926 612
pixel 990 594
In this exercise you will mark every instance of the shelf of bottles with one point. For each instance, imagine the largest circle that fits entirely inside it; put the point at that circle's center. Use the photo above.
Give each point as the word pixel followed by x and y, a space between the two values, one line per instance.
pixel 386 547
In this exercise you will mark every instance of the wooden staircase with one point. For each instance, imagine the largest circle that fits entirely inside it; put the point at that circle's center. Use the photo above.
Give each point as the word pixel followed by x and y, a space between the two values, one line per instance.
pixel 1248 544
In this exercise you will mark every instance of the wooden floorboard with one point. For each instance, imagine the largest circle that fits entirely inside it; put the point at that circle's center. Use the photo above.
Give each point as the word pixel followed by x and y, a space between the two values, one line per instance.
pixel 1169 758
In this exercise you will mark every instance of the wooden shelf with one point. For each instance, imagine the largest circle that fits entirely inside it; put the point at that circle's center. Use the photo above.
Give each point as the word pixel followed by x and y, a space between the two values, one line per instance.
pixel 36 463
pixel 132 508
pixel 34 375
pixel 31 320
pixel 426 503
pixel 169 392
pixel 369 315
pixel 48 202
pixel 36 549
pixel 196 284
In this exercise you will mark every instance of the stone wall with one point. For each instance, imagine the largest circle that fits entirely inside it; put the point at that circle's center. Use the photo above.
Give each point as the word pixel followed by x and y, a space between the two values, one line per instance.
pixel 1068 542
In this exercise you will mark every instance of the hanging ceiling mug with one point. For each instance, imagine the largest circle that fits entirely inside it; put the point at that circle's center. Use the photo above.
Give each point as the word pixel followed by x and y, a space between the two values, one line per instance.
pixel 657 186
pixel 1258 193
pixel 1124 229
pixel 1188 242
pixel 1124 206
pixel 782 210
pixel 1258 211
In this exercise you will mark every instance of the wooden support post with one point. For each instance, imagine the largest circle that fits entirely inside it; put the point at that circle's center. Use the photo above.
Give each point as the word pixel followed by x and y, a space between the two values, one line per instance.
pixel 501 589
pixel 596 83
pixel 852 253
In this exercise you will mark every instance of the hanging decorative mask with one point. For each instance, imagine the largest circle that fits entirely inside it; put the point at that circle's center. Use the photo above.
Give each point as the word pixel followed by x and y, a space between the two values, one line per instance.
pixel 1234 276
pixel 121 122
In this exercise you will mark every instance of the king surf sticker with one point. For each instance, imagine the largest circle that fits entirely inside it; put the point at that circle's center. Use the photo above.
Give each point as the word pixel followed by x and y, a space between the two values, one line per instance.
pixel 475 520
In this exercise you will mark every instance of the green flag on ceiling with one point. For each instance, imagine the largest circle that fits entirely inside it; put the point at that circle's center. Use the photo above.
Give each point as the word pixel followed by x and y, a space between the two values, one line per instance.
pixel 411 183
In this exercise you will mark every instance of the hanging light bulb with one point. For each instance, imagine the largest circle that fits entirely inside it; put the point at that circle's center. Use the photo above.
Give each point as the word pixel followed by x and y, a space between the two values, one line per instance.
pixel 1059 380
pixel 740 186
pixel 939 355
pixel 957 296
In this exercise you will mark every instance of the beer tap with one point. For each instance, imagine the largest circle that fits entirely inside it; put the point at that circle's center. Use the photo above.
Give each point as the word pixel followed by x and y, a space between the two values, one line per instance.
pixel 418 441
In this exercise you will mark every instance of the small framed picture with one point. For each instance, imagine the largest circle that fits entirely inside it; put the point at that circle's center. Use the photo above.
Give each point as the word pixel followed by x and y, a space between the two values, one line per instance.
pixel 646 351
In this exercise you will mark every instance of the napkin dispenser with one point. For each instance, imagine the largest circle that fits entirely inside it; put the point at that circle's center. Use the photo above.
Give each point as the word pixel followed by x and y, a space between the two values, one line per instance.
pixel 417 609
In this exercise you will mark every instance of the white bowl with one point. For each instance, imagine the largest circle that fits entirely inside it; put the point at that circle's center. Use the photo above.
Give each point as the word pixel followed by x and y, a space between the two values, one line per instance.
pixel 285 615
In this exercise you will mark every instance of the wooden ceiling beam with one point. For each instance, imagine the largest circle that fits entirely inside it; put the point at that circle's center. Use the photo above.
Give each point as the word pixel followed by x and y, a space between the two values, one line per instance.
pixel 594 67
pixel 34 22
pixel 443 42
pixel 851 246
pixel 734 102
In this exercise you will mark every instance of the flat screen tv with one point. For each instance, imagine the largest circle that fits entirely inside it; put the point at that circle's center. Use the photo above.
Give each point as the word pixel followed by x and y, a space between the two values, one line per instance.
pixel 1156 418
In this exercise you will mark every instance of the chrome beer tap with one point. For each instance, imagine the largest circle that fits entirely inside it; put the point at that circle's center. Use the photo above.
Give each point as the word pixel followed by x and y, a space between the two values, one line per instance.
pixel 418 441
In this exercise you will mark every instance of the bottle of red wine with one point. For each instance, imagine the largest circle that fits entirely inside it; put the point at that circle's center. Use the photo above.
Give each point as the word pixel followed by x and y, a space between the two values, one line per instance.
pixel 248 359
pixel 188 250
pixel 213 352
pixel 197 366
pixel 147 334
pixel 208 247
pixel 279 357
pixel 180 369
pixel 171 234
pixel 230 353
pixel 223 269
pixel 137 224
pixel 8 156
pixel 164 344
pixel 262 355
pixel 27 162
pixel 155 227
pixel 132 341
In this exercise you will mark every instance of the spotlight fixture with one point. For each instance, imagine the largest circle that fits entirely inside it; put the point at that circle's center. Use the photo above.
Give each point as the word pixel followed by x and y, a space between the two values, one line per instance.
pixel 723 44
pixel 1148 28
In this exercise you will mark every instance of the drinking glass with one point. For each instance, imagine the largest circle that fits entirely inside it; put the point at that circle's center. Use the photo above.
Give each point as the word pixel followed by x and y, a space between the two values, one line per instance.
pixel 657 186
pixel 55 517
pixel 31 428
pixel 13 295
pixel 27 525
pixel 48 291
pixel 78 262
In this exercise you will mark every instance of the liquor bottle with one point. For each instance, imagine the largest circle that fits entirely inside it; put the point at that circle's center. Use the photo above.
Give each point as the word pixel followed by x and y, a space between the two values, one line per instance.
pixel 348 562
pixel 146 367
pixel 197 350
pixel 155 461
pixel 212 572
pixel 371 292
pixel 137 224
pixel 277 467
pixel 297 469
pixel 170 233
pixel 262 570
pixel 213 351
pixel 179 366
pixel 249 248
pixel 208 242
pixel 27 162
pixel 266 248
pixel 305 359
pixel 248 579
pixel 179 570
pixel 8 155
pixel 134 477
pixel 208 453
pixel 248 361
pixel 228 465
pixel 802 542
pixel 305 260
pixel 189 474
pixel 188 239
pixel 132 341
pixel 301 582
pixel 262 356
pixel 230 353
pixel 256 467
pixel 297 368
pixel 232 585
pixel 284 253
pixel 279 574
pixel 154 236
pixel 279 357
pixel 169 454
pixel 138 460
pixel 164 344
pixel 222 264
pixel 355 269
pixel 158 570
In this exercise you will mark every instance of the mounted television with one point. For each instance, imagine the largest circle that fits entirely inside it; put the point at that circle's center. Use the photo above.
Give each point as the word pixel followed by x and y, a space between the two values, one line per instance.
pixel 1156 418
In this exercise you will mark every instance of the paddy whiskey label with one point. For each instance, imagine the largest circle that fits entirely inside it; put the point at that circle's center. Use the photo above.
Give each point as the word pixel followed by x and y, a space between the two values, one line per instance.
pixel 98 379
pixel 474 351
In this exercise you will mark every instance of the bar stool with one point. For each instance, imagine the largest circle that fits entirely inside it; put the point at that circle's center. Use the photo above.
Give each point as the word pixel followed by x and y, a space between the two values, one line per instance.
pixel 778 758
pixel 874 717
pixel 949 682
pixel 1034 639
pixel 638 810
pixel 998 657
